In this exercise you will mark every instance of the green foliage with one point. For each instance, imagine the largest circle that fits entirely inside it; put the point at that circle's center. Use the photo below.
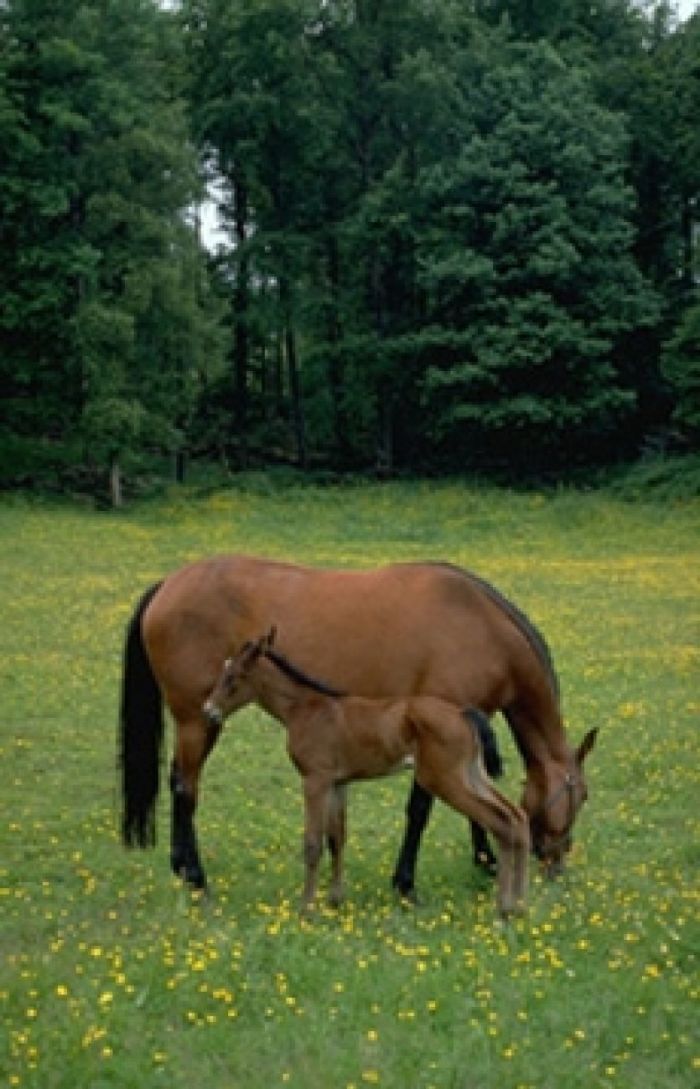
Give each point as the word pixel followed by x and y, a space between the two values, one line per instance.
pixel 461 236
pixel 544 285
pixel 662 479
pixel 465 287
pixel 104 291
pixel 681 365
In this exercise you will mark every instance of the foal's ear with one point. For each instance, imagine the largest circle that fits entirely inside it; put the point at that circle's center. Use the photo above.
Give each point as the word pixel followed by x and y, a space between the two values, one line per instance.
pixel 586 745
pixel 250 652
pixel 264 643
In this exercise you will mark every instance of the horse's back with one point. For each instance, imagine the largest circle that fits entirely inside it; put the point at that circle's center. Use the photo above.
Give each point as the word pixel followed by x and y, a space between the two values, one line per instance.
pixel 396 630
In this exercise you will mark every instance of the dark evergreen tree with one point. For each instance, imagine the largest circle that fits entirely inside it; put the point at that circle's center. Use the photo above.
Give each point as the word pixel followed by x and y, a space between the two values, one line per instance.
pixel 256 110
pixel 681 367
pixel 529 269
pixel 103 333
pixel 443 221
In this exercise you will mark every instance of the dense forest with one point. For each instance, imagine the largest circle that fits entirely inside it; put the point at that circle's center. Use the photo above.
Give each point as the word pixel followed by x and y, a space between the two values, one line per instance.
pixel 453 237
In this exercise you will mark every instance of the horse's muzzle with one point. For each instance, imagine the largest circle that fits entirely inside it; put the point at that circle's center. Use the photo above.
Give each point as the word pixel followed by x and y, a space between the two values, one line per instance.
pixel 212 714
pixel 552 863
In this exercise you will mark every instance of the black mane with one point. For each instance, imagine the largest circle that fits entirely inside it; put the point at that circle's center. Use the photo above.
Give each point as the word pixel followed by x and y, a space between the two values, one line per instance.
pixel 297 675
pixel 533 635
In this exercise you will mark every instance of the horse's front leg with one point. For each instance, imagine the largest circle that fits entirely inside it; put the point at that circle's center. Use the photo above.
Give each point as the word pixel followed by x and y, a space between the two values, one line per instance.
pixel 316 802
pixel 336 841
pixel 482 850
pixel 418 809
pixel 194 742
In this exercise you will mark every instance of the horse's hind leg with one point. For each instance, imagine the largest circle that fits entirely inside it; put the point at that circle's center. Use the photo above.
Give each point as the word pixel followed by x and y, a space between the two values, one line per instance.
pixel 194 742
pixel 337 810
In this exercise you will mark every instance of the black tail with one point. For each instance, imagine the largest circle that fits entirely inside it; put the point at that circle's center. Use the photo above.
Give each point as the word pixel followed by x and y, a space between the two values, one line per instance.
pixel 140 736
pixel 489 745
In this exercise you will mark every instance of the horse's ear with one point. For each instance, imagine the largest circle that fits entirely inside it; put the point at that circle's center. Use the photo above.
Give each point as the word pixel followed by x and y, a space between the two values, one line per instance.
pixel 586 745
pixel 271 636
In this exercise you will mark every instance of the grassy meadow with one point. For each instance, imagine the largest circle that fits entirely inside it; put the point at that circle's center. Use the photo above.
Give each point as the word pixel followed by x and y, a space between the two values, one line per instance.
pixel 111 975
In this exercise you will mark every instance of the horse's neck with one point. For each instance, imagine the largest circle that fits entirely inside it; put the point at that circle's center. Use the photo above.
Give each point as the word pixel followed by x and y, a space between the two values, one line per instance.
pixel 543 747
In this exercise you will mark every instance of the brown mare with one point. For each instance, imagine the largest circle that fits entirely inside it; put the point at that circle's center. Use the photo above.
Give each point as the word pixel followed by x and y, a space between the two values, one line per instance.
pixel 336 739
pixel 401 630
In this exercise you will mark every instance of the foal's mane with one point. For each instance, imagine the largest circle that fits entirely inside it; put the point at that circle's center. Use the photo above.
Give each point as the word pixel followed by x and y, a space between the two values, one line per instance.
pixel 299 677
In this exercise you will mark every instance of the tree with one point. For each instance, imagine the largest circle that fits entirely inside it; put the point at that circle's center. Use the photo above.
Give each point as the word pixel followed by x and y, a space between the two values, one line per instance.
pixel 256 111
pixel 529 269
pixel 107 303
pixel 681 368
pixel 388 75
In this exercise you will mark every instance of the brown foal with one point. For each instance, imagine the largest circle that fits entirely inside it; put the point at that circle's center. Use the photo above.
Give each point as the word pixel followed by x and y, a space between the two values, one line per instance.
pixel 334 739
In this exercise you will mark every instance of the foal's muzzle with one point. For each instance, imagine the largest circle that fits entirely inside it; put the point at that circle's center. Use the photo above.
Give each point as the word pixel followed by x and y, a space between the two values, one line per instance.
pixel 212 714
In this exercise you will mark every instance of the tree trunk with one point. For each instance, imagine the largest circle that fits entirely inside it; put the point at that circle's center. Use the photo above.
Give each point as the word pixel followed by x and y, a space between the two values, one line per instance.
pixel 240 327
pixel 278 374
pixel 115 483
pixel 687 228
pixel 179 465
pixel 290 348
pixel 336 375
pixel 295 392
pixel 385 437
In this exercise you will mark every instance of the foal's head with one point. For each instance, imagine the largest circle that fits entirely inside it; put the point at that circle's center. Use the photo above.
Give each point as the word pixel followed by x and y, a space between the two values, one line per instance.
pixel 552 803
pixel 233 687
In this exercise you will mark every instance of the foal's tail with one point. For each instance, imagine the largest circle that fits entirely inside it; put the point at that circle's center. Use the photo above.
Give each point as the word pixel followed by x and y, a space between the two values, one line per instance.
pixel 489 744
pixel 140 736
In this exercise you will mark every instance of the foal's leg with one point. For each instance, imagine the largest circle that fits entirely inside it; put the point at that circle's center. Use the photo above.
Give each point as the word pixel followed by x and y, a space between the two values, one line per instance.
pixel 316 802
pixel 454 773
pixel 420 804
pixel 337 810
pixel 509 825
pixel 194 741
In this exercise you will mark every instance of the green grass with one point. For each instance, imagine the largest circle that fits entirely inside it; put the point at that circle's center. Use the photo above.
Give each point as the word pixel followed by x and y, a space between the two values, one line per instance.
pixel 112 975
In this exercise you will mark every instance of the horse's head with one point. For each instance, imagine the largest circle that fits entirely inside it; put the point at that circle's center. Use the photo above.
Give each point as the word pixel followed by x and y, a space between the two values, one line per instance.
pixel 233 688
pixel 552 801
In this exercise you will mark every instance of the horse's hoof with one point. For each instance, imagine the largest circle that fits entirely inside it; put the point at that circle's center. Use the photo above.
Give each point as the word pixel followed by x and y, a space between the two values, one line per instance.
pixel 486 863
pixel 407 893
pixel 197 884
pixel 513 911
pixel 551 869
pixel 192 876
